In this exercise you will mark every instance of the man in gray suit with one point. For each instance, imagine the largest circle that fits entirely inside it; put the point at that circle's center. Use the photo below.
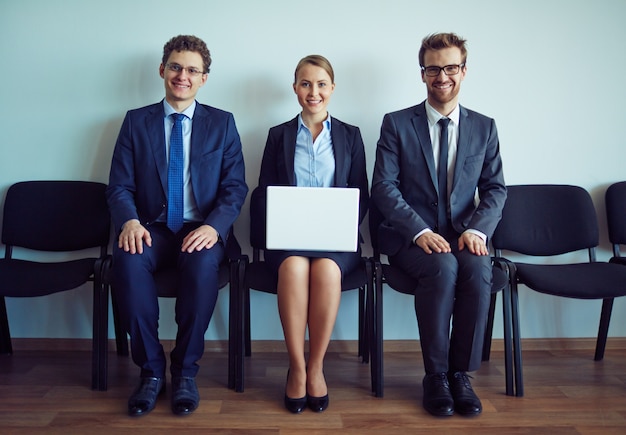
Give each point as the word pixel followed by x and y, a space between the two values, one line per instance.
pixel 438 217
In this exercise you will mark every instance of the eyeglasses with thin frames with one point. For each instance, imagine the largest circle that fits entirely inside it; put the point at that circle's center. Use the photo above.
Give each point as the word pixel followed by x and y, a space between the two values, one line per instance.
pixel 449 70
pixel 176 68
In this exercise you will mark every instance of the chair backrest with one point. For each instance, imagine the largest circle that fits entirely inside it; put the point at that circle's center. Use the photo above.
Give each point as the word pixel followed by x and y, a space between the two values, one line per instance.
pixel 56 215
pixel 616 212
pixel 545 220
pixel 257 218
pixel 376 218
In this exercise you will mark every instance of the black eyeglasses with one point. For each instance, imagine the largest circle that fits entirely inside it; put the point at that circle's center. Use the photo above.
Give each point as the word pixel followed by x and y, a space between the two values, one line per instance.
pixel 174 67
pixel 449 70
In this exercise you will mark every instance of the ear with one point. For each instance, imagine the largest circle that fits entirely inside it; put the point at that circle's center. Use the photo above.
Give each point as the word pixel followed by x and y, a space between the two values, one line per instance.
pixel 422 74
pixel 463 72
pixel 162 71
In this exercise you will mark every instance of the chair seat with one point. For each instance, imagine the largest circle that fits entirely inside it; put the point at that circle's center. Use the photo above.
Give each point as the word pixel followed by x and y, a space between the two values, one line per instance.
pixel 22 278
pixel 618 260
pixel 578 281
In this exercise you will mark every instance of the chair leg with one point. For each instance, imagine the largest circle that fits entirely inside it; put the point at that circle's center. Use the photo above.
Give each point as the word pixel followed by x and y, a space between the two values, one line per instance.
pixel 232 324
pixel 517 346
pixel 239 330
pixel 603 330
pixel 121 339
pixel 376 332
pixel 489 328
pixel 99 379
pixel 364 321
pixel 508 344
pixel 5 333
pixel 246 322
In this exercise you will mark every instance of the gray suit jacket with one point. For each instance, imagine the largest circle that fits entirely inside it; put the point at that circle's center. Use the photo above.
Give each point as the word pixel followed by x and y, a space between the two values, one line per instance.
pixel 404 185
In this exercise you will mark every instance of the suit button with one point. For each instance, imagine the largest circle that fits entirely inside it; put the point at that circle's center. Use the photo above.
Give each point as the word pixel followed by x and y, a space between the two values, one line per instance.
pixel 434 204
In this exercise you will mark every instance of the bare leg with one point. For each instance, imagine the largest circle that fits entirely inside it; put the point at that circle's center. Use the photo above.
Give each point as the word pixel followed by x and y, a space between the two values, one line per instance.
pixel 324 299
pixel 293 301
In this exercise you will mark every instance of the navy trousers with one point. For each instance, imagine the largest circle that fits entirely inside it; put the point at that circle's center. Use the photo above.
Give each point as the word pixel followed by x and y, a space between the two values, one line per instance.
pixel 136 294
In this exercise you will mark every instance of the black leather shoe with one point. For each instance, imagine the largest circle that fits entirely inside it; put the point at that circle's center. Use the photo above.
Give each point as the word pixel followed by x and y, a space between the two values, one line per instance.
pixel 143 399
pixel 185 396
pixel 294 405
pixel 437 396
pixel 466 402
pixel 318 404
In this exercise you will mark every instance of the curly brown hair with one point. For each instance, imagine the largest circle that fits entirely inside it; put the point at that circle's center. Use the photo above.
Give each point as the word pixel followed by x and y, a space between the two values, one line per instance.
pixel 438 41
pixel 187 43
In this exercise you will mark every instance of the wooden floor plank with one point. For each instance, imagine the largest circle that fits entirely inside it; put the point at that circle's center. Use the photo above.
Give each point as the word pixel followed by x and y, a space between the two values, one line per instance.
pixel 566 392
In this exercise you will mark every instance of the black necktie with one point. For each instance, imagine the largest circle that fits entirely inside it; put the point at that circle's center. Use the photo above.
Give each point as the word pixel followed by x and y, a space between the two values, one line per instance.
pixel 175 176
pixel 442 174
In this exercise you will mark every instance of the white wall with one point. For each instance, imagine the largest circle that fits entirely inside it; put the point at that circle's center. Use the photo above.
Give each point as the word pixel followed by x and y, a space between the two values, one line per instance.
pixel 549 71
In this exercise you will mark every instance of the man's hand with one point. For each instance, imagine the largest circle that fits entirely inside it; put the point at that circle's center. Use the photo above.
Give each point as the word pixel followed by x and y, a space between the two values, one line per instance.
pixel 474 243
pixel 203 237
pixel 432 242
pixel 133 236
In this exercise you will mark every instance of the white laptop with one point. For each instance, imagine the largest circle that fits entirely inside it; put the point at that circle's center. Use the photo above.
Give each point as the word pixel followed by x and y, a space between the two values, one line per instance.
pixel 312 218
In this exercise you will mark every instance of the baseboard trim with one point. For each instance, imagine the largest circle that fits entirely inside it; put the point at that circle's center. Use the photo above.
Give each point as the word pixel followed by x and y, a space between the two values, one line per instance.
pixel 347 346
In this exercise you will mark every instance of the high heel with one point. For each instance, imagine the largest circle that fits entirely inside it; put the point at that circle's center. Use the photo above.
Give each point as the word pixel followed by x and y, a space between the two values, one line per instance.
pixel 294 405
pixel 318 404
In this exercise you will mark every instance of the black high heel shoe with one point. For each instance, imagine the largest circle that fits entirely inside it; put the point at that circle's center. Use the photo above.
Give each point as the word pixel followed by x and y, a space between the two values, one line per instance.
pixel 318 404
pixel 294 405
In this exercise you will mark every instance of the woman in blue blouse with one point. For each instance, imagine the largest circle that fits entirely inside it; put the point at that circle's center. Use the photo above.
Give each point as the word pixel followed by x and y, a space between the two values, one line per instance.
pixel 309 283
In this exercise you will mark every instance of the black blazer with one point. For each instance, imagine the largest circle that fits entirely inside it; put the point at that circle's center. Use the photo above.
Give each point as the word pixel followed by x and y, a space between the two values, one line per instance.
pixel 277 166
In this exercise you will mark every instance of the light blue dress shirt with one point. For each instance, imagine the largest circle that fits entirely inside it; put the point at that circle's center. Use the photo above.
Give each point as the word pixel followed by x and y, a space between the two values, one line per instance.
pixel 314 161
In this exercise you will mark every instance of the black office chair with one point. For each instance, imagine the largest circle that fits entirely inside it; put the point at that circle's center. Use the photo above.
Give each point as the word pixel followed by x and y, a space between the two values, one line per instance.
pixel 401 282
pixel 615 199
pixel 259 276
pixel 550 220
pixel 56 216
pixel 231 274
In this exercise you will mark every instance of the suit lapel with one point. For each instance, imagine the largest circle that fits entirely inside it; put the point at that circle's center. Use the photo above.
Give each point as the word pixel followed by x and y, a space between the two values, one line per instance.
pixel 462 149
pixel 338 136
pixel 420 124
pixel 155 129
pixel 200 131
pixel 289 149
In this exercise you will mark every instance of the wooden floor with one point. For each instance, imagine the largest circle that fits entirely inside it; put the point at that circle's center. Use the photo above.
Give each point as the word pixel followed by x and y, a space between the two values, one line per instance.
pixel 48 391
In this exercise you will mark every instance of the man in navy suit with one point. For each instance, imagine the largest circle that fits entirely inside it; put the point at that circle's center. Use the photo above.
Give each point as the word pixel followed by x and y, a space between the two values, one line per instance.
pixel 438 217
pixel 213 191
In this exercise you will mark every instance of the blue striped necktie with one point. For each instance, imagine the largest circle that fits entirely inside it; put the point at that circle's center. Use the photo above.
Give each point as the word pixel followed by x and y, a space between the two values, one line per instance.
pixel 175 176
pixel 442 174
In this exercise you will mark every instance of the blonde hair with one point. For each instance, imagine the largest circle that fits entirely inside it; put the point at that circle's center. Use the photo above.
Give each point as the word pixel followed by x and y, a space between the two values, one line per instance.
pixel 317 60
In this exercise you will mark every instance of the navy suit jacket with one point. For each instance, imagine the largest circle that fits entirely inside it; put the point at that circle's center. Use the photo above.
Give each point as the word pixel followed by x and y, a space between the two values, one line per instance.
pixel 404 186
pixel 277 166
pixel 138 179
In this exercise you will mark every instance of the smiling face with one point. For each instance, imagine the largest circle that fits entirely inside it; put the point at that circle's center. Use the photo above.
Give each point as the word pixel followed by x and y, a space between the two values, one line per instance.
pixel 181 87
pixel 313 87
pixel 443 90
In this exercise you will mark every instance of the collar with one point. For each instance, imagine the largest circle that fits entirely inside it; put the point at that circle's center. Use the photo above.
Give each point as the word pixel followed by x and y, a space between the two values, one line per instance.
pixel 434 116
pixel 188 112
pixel 301 123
